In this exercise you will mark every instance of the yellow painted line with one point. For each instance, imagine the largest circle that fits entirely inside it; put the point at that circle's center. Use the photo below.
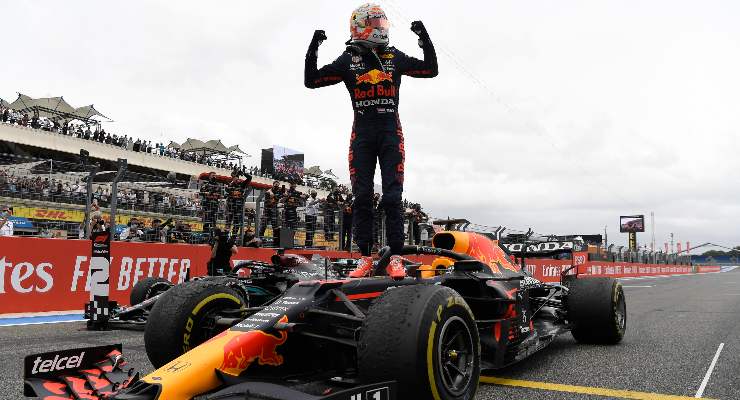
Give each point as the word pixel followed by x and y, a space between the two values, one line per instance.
pixel 594 391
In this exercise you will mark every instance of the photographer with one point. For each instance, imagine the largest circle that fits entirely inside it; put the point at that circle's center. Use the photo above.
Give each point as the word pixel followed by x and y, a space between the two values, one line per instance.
pixel 222 249
pixel 97 223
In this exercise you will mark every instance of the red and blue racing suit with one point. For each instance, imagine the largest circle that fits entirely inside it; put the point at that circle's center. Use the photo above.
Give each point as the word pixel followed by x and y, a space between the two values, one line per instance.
pixel 373 79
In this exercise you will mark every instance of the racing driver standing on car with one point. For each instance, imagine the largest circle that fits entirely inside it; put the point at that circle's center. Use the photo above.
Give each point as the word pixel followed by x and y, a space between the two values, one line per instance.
pixel 371 70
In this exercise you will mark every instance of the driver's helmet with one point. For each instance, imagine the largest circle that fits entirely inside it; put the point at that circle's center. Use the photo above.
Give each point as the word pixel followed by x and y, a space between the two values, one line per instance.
pixel 368 25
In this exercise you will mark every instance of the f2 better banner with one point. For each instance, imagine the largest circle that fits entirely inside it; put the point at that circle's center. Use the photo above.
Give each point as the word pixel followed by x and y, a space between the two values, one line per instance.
pixel 41 275
pixel 54 274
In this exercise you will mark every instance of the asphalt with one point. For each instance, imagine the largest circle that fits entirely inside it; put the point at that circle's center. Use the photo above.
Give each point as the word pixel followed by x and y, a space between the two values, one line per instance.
pixel 675 326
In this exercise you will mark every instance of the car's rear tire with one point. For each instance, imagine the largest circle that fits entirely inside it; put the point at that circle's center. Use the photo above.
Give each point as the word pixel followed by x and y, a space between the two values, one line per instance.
pixel 425 338
pixel 184 318
pixel 148 288
pixel 597 310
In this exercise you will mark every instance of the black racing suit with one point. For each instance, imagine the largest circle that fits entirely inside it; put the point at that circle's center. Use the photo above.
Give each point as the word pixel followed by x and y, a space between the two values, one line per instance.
pixel 292 201
pixel 373 79
pixel 210 193
pixel 236 193
pixel 270 212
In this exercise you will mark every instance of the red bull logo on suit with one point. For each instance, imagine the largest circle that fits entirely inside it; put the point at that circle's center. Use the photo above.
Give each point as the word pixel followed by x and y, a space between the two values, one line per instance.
pixel 374 77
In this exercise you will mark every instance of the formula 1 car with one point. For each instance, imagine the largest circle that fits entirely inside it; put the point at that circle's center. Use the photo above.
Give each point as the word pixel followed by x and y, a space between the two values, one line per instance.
pixel 143 296
pixel 427 336
pixel 255 282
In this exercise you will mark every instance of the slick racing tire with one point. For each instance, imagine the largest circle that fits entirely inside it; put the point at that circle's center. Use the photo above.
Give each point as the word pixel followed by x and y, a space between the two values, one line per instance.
pixel 184 317
pixel 148 288
pixel 597 310
pixel 425 338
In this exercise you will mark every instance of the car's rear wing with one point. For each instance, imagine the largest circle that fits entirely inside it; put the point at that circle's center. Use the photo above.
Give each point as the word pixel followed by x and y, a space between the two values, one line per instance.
pixel 82 373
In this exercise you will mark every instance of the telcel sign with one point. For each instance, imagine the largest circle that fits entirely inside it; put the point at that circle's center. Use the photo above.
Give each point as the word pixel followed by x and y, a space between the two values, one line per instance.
pixel 632 223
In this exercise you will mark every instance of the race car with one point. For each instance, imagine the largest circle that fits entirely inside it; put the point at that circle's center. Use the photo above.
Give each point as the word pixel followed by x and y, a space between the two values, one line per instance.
pixel 427 336
pixel 255 282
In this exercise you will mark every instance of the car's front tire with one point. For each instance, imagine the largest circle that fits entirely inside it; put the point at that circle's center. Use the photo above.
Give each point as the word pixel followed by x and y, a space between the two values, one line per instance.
pixel 184 317
pixel 425 338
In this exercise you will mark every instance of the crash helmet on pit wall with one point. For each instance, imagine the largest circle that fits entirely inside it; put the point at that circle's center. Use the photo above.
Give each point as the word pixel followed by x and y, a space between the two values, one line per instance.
pixel 368 25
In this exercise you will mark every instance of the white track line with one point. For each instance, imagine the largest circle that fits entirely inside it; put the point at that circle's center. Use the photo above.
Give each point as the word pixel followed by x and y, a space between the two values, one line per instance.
pixel 638 286
pixel 42 323
pixel 703 386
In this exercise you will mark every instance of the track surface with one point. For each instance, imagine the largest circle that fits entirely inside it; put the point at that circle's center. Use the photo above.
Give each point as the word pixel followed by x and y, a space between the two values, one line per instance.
pixel 675 326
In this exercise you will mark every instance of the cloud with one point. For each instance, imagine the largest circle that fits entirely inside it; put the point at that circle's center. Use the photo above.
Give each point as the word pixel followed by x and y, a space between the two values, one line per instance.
pixel 558 117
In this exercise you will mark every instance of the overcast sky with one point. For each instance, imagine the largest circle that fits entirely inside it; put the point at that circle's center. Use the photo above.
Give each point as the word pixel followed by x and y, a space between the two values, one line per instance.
pixel 558 116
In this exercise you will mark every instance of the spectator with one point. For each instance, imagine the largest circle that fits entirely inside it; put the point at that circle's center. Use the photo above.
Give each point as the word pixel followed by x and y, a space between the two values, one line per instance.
pixel 270 212
pixel 6 225
pixel 331 205
pixel 158 231
pixel 312 211
pixel 250 240
pixel 346 239
pixel 132 231
pixel 415 217
pixel 292 198
pixel 44 232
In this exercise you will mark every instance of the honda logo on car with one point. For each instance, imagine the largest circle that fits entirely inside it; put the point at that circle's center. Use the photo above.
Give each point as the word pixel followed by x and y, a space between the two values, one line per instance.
pixel 57 363
pixel 539 247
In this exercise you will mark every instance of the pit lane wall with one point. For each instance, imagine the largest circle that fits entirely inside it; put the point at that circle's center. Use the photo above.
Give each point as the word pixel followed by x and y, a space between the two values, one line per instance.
pixel 44 275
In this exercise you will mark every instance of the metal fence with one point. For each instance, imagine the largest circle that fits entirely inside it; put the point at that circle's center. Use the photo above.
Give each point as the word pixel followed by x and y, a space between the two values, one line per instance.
pixel 162 209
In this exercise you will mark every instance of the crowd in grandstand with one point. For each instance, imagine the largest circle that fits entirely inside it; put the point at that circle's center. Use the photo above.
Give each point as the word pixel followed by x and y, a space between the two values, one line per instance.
pixel 98 134
pixel 330 215
pixel 75 192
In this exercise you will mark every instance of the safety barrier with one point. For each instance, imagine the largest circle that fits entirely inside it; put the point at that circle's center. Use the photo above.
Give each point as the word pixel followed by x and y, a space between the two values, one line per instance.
pixel 42 275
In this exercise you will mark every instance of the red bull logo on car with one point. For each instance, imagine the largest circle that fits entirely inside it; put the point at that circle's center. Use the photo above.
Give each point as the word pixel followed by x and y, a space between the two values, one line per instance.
pixel 374 77
pixel 246 348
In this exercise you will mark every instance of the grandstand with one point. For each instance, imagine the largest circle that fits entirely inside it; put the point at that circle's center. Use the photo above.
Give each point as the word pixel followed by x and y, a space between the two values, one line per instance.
pixel 45 160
